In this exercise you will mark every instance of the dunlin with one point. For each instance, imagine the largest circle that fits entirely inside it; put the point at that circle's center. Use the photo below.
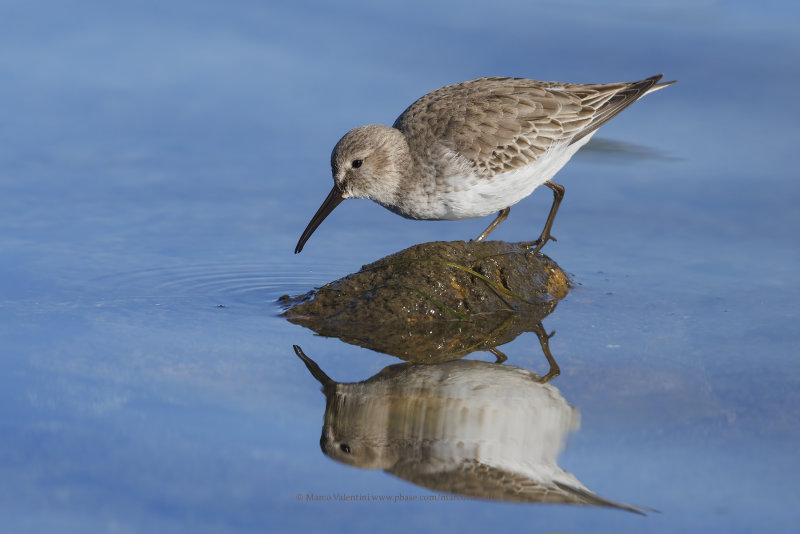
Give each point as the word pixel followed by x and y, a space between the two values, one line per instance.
pixel 467 427
pixel 474 148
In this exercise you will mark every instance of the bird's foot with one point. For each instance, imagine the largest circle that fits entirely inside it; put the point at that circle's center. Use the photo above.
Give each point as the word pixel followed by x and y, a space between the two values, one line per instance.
pixel 539 243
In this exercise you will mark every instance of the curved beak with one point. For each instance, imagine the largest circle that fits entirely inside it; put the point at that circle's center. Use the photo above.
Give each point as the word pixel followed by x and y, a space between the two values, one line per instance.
pixel 334 199
pixel 328 384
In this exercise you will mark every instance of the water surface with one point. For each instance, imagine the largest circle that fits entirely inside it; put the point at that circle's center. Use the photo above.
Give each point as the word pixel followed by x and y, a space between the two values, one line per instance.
pixel 158 163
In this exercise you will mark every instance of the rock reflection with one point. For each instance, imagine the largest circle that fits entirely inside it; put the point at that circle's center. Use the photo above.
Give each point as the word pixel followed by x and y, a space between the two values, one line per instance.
pixel 473 428
pixel 436 301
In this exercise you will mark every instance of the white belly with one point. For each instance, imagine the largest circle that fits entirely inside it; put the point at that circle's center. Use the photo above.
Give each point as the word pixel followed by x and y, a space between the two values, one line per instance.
pixel 461 194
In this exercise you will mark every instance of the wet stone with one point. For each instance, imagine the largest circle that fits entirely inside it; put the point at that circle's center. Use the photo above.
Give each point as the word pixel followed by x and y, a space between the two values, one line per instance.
pixel 436 301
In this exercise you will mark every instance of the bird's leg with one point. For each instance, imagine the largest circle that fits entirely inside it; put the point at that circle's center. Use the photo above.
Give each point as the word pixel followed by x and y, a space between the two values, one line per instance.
pixel 501 216
pixel 558 194
pixel 498 355
pixel 544 341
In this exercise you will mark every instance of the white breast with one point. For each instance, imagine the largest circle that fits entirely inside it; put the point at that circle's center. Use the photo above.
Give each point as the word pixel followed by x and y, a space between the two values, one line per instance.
pixel 460 193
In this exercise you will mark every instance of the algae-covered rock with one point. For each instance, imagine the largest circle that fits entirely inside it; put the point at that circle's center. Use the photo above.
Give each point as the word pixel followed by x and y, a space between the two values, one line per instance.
pixel 436 301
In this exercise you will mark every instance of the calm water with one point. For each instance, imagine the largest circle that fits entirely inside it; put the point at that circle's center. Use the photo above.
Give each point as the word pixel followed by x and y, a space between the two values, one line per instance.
pixel 159 161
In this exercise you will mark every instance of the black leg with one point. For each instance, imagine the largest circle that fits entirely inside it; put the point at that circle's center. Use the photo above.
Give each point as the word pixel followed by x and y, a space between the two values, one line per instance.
pixel 544 341
pixel 558 194
pixel 501 216
pixel 498 355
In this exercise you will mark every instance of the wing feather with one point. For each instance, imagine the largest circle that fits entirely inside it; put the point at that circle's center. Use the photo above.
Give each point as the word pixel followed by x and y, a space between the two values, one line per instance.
pixel 501 124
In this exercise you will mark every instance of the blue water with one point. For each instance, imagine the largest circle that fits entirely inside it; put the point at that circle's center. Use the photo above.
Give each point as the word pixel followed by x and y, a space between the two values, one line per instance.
pixel 158 162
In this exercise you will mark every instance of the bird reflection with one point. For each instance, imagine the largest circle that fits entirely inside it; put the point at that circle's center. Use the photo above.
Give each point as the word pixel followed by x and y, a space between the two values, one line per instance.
pixel 473 428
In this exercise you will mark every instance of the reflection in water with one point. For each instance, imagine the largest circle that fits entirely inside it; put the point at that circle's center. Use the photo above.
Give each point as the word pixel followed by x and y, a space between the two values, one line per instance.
pixel 437 301
pixel 472 428
pixel 608 150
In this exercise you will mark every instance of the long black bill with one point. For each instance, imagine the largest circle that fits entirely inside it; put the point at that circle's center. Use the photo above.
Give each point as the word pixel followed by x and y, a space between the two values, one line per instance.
pixel 333 200
pixel 328 384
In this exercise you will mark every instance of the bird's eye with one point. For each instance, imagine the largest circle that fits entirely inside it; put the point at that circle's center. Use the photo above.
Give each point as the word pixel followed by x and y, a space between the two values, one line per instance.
pixel 345 448
pixel 357 163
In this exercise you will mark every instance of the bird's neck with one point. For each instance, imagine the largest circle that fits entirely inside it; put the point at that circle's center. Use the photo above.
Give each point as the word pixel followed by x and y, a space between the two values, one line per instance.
pixel 398 183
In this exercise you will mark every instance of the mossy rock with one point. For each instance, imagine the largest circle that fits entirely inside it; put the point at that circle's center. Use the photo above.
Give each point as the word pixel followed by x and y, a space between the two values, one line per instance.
pixel 436 301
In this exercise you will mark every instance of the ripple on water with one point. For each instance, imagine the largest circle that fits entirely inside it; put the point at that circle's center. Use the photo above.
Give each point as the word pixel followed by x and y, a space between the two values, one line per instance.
pixel 223 285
